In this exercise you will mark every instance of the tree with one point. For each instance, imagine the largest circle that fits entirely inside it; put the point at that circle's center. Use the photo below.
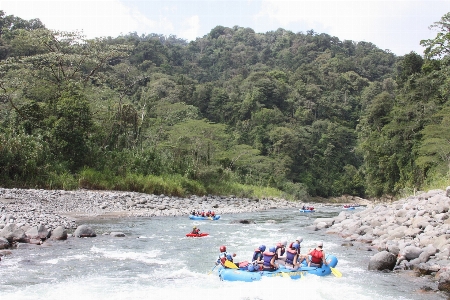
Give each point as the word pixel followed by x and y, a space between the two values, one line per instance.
pixel 440 45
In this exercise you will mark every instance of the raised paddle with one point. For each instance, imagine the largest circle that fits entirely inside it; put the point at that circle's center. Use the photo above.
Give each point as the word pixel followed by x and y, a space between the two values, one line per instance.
pixel 336 272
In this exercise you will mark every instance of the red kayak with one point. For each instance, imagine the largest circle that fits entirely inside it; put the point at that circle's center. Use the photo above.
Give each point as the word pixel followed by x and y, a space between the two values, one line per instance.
pixel 197 235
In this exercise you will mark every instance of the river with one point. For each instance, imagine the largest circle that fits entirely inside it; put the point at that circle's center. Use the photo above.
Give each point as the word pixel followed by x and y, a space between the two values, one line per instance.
pixel 156 261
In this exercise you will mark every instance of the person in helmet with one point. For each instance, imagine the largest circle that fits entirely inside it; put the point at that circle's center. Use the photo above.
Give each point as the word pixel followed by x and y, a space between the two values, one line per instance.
pixel 269 258
pixel 292 256
pixel 318 256
pixel 281 251
pixel 195 230
pixel 224 256
pixel 301 257
pixel 258 255
pixel 298 240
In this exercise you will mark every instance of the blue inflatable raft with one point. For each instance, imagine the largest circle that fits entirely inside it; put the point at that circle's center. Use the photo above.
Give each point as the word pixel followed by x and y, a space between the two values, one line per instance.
pixel 348 207
pixel 307 210
pixel 216 217
pixel 244 275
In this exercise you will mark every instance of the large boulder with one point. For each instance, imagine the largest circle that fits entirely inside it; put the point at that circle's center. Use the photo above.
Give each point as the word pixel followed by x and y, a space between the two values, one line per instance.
pixel 84 231
pixel 13 233
pixel 37 232
pixel 443 277
pixel 4 244
pixel 411 252
pixel 59 234
pixel 382 261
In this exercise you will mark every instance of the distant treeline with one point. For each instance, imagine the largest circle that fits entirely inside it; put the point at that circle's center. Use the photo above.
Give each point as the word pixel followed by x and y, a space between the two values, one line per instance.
pixel 234 112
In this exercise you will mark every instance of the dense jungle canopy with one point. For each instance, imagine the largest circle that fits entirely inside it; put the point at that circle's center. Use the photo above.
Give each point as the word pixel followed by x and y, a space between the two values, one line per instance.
pixel 300 113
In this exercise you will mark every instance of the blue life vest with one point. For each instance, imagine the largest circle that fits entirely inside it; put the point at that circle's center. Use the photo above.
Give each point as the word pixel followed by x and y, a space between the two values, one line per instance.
pixel 267 258
pixel 256 255
pixel 290 255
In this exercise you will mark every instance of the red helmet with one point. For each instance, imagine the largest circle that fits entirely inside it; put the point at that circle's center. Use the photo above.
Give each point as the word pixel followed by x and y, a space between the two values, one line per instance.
pixel 223 249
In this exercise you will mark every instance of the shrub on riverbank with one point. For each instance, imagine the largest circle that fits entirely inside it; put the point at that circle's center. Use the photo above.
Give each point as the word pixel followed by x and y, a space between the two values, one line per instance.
pixel 174 185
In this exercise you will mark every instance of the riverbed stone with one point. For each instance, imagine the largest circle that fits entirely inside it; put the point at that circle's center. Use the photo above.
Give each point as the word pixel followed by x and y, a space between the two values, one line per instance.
pixel 13 234
pixel 4 244
pixel 84 231
pixel 117 234
pixel 59 234
pixel 383 260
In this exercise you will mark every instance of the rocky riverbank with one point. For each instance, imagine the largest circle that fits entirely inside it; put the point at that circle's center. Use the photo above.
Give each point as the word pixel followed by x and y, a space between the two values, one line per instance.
pixel 409 234
pixel 30 216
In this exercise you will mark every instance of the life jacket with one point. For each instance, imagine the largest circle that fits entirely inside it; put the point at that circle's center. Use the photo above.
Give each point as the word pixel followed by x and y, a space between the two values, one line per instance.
pixel 213 214
pixel 316 256
pixel 290 255
pixel 256 254
pixel 222 258
pixel 196 231
pixel 283 249
pixel 267 257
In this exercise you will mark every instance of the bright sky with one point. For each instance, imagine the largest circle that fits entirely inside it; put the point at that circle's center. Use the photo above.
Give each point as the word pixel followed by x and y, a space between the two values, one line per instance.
pixel 396 25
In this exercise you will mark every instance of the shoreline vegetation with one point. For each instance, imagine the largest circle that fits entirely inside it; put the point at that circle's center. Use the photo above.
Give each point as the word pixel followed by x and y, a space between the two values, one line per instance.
pixel 275 114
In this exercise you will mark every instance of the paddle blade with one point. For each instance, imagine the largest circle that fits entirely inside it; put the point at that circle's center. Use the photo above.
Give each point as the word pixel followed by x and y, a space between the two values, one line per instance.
pixel 212 270
pixel 336 272
pixel 285 275
pixel 230 265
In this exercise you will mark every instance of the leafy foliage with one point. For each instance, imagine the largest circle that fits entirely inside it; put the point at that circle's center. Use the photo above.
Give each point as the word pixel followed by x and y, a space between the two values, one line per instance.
pixel 237 112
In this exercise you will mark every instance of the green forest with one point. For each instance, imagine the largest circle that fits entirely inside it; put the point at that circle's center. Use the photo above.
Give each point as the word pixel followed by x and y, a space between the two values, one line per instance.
pixel 275 114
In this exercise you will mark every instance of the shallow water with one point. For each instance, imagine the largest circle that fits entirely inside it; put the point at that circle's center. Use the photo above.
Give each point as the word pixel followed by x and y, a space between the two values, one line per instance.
pixel 156 261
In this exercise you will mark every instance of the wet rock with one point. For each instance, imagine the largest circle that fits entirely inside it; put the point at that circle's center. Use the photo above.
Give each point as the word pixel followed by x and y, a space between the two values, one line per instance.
pixel 4 244
pixel 84 231
pixel 59 234
pixel 443 277
pixel 117 234
pixel 243 222
pixel 382 261
pixel 13 234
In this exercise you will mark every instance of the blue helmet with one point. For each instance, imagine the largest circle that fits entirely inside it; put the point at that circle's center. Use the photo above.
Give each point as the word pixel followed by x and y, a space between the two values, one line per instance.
pixel 272 249
pixel 262 248
pixel 295 246
pixel 250 268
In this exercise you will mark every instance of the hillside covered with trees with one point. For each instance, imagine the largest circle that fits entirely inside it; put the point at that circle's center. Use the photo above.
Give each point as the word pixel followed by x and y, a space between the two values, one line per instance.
pixel 234 112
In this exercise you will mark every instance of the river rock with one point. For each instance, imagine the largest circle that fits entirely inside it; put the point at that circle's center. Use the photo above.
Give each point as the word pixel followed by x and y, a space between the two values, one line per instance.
pixel 382 261
pixel 13 234
pixel 411 252
pixel 243 222
pixel 59 234
pixel 117 234
pixel 4 244
pixel 84 231
pixel 443 277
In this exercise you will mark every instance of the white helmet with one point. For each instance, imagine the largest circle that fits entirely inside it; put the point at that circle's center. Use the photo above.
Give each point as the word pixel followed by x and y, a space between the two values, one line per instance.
pixel 299 239
pixel 284 243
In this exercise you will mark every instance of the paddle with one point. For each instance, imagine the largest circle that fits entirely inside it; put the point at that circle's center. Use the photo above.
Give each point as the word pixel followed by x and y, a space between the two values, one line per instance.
pixel 285 275
pixel 212 270
pixel 336 272
pixel 230 265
